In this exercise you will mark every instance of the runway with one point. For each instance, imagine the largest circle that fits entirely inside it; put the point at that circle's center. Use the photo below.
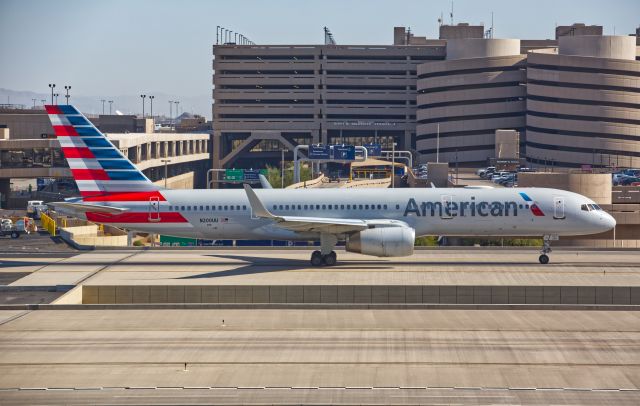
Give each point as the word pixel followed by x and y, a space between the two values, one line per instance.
pixel 490 356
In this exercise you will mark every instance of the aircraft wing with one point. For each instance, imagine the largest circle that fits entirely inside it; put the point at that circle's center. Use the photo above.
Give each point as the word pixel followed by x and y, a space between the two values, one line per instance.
pixel 314 224
pixel 85 207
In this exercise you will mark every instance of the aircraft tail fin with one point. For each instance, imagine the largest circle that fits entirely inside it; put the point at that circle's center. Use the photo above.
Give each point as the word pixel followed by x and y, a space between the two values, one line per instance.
pixel 98 167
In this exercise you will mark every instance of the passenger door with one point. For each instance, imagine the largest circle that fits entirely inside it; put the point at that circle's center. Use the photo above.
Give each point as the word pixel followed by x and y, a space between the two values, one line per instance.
pixel 558 208
pixel 154 209
pixel 446 200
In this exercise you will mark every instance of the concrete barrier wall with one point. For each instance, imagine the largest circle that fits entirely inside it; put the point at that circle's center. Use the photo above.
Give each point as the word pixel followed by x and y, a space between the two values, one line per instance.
pixel 363 294
pixel 307 184
pixel 368 183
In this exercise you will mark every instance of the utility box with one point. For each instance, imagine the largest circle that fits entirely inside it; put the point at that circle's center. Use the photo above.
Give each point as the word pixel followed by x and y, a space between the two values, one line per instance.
pixel 507 150
pixel 438 174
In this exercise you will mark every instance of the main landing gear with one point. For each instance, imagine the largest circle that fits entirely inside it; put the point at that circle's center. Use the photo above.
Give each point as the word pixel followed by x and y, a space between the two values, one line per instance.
pixel 317 259
pixel 326 256
pixel 546 248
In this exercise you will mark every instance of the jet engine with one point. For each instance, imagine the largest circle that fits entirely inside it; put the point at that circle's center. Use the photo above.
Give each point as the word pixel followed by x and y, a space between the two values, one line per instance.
pixel 383 241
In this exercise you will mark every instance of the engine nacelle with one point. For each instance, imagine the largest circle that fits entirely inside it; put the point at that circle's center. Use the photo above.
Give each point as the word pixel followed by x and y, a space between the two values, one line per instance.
pixel 383 241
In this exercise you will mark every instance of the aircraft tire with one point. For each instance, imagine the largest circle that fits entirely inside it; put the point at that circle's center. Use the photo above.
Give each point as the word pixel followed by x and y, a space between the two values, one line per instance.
pixel 544 259
pixel 330 259
pixel 15 234
pixel 316 259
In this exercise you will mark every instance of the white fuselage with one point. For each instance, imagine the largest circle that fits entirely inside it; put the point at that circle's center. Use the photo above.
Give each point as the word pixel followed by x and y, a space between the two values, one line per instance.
pixel 226 214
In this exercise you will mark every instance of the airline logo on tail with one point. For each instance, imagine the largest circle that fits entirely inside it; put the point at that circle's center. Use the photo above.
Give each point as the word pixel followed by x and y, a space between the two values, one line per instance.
pixel 97 165
pixel 103 174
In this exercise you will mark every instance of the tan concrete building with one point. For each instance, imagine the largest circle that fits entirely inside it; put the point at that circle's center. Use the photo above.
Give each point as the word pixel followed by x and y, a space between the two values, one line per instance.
pixel 463 100
pixel 583 104
pixel 269 97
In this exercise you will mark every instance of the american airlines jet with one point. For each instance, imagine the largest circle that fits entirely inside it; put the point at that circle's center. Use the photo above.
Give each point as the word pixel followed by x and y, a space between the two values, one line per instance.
pixel 378 222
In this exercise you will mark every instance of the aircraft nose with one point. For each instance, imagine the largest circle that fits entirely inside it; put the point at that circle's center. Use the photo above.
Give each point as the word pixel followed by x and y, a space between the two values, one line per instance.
pixel 608 221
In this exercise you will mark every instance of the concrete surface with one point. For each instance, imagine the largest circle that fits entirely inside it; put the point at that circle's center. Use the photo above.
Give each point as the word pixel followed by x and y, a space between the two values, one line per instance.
pixel 321 356
pixel 471 267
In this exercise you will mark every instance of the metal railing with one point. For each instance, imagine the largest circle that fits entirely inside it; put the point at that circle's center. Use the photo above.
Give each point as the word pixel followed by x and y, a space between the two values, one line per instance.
pixel 48 224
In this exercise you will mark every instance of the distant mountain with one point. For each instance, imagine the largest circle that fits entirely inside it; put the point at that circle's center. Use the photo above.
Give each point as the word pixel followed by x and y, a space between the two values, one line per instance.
pixel 127 104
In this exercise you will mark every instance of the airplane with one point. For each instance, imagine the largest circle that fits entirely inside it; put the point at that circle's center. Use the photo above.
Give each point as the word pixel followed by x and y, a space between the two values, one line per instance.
pixel 376 222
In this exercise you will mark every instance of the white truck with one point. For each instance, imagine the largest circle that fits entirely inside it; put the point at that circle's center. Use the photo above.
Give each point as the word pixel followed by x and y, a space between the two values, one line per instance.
pixel 34 207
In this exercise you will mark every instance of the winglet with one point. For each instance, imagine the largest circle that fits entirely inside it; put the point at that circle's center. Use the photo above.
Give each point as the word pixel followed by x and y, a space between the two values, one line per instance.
pixel 257 207
pixel 264 182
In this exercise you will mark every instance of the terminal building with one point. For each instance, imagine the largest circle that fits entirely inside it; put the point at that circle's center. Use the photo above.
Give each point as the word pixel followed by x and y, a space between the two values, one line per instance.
pixel 29 150
pixel 572 99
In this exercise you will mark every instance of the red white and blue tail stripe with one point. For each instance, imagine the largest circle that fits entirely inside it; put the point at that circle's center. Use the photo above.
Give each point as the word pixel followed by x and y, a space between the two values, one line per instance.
pixel 98 167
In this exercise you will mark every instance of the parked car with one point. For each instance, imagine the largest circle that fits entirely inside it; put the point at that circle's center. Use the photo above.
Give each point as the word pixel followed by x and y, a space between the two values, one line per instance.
pixel 629 180
pixel 482 171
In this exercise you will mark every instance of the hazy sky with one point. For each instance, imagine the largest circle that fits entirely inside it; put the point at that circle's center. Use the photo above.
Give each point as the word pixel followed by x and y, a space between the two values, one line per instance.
pixel 111 48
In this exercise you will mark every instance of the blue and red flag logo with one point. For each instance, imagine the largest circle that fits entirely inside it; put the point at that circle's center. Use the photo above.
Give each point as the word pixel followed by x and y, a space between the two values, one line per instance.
pixel 532 205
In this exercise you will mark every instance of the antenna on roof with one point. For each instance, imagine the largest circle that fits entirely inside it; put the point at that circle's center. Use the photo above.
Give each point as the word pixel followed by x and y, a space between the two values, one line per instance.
pixel 328 37
pixel 451 13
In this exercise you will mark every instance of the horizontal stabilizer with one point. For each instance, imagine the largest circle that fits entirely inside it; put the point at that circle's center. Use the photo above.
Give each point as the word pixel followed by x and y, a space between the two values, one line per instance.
pixel 84 207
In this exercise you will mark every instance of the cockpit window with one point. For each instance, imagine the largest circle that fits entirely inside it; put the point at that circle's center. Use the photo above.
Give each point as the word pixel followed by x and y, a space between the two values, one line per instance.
pixel 596 207
pixel 584 207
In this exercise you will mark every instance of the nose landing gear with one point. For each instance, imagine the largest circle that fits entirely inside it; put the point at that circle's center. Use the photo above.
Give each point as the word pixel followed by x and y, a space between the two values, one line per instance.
pixel 546 248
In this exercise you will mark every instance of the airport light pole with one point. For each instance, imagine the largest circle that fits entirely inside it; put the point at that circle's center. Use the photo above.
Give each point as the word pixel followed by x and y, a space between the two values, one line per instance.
pixel 438 143
pixel 110 103
pixel 56 95
pixel 103 100
pixel 165 161
pixel 151 100
pixel 67 88
pixel 393 165
pixel 34 103
pixel 177 110
pixel 52 86
pixel 143 96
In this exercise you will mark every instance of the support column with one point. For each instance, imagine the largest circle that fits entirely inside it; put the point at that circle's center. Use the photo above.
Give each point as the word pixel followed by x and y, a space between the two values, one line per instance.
pixel 5 190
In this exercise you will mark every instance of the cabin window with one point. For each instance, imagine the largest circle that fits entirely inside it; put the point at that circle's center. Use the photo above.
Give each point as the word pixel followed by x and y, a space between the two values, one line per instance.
pixel 231 207
pixel 286 207
pixel 397 207
pixel 238 207
pixel 342 207
pixel 244 207
pixel 379 207
pixel 206 208
pixel 275 207
pixel 306 207
pixel 219 207
pixel 317 207
pixel 324 207
pixel 348 207
pixel 366 206
pixel 360 206
pixel 183 208
pixel 385 207
pixel 281 207
pixel 330 207
pixel 226 207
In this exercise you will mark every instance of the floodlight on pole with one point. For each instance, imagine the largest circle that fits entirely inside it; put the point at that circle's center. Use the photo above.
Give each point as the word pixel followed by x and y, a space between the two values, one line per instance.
pixel 151 100
pixel 110 103
pixel 103 100
pixel 143 96
pixel 52 86
pixel 67 88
